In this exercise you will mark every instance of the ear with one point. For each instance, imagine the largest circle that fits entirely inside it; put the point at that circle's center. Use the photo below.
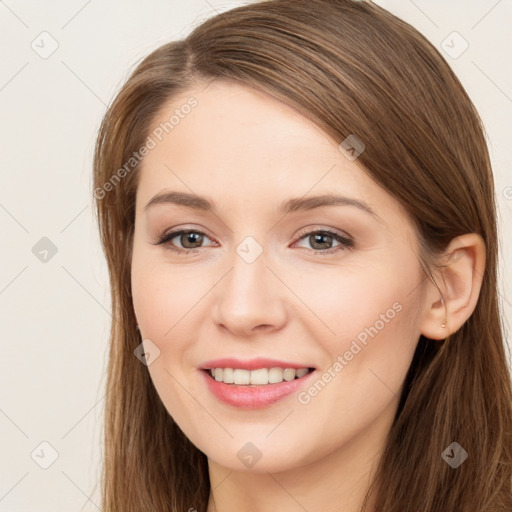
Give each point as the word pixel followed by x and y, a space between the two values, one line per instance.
pixel 459 278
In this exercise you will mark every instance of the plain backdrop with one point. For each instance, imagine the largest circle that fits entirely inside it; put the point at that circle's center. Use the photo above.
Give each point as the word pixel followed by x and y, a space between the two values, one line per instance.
pixel 61 64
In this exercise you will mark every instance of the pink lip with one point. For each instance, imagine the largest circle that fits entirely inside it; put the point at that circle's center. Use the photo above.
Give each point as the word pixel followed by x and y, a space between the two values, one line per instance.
pixel 252 364
pixel 252 397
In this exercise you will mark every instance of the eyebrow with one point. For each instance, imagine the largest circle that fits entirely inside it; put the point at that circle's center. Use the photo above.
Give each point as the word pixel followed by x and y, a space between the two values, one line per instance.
pixel 292 205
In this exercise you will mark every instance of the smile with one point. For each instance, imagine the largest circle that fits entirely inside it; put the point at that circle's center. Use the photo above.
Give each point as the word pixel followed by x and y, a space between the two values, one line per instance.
pixel 255 396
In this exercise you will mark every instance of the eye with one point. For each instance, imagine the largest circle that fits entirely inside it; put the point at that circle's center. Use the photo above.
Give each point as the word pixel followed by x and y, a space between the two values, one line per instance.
pixel 191 240
pixel 185 236
pixel 317 238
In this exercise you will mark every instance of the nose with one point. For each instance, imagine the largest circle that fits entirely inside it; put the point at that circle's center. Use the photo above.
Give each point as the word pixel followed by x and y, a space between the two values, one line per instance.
pixel 250 298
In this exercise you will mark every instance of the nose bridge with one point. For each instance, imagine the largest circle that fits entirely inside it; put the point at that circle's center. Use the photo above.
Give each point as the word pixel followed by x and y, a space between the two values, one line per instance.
pixel 249 294
pixel 248 280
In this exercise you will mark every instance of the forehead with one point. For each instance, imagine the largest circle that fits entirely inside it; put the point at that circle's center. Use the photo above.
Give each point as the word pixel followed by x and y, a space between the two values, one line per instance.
pixel 237 124
pixel 242 147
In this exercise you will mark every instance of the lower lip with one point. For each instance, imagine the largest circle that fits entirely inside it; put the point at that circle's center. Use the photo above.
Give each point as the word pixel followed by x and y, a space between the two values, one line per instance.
pixel 253 397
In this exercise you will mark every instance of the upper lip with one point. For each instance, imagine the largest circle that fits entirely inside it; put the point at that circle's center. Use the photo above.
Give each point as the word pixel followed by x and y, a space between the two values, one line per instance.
pixel 251 364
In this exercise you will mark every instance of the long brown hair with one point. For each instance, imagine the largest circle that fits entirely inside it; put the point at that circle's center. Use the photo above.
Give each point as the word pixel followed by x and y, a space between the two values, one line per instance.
pixel 352 68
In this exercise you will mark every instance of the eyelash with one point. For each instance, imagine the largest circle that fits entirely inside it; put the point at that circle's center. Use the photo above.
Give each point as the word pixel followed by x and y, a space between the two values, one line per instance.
pixel 346 242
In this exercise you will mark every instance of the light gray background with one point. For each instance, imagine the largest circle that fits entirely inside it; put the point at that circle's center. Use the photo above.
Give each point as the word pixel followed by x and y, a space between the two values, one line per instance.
pixel 55 314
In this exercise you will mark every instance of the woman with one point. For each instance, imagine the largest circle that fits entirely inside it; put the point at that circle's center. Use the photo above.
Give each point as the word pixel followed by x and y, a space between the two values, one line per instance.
pixel 296 204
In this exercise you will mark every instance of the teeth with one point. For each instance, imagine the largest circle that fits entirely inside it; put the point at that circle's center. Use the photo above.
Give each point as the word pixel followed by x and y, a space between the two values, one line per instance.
pixel 258 377
pixel 226 375
pixel 239 376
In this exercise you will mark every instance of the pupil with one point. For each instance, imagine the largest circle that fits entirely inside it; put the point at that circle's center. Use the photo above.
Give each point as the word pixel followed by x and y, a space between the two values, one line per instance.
pixel 318 237
pixel 190 237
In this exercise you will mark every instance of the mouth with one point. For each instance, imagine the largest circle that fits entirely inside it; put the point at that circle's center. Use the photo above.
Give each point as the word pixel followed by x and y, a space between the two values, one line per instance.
pixel 257 377
pixel 258 387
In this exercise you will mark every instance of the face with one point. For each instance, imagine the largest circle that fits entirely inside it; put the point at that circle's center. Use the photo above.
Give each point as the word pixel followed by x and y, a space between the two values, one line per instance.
pixel 333 287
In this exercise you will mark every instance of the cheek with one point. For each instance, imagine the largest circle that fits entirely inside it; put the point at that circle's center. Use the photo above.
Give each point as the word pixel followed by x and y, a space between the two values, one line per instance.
pixel 161 299
pixel 367 315
pixel 347 299
pixel 161 294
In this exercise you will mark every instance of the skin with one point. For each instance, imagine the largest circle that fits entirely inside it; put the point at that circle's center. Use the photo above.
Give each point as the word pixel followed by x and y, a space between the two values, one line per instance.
pixel 248 153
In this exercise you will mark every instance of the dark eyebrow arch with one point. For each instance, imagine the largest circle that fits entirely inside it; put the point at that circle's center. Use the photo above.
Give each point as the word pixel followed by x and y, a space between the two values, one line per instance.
pixel 292 205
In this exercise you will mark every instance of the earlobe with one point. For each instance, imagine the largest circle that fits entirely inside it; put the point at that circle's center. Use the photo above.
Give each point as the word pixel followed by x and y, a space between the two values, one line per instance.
pixel 461 270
